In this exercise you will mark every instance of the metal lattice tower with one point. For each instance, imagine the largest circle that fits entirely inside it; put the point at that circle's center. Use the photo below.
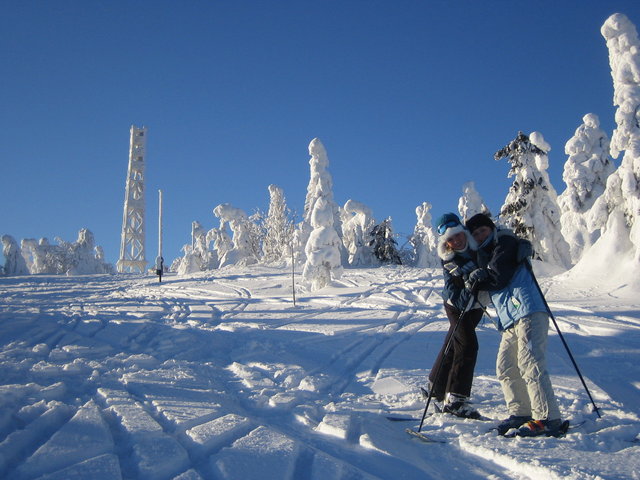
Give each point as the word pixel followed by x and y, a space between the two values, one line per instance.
pixel 132 255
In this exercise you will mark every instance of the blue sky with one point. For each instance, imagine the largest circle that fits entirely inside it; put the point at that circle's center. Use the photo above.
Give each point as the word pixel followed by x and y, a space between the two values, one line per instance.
pixel 410 98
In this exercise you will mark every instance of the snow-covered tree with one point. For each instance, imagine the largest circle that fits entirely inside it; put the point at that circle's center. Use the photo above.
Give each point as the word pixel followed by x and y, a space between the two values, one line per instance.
pixel 278 227
pixel 320 186
pixel 531 207
pixel 357 223
pixel 221 241
pixel 84 256
pixel 621 198
pixel 471 202
pixel 41 257
pixel 585 173
pixel 384 245
pixel 14 261
pixel 242 252
pixel 199 256
pixel 257 232
pixel 423 239
pixel 81 257
pixel 323 248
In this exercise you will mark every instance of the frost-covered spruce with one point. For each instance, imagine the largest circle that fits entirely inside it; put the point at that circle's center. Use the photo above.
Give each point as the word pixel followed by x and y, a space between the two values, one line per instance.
pixel 198 256
pixel 81 257
pixel 423 239
pixel 471 202
pixel 41 257
pixel 357 223
pixel 278 227
pixel 189 263
pixel 257 232
pixel 383 243
pixel 531 207
pixel 622 194
pixel 84 257
pixel 323 248
pixel 242 252
pixel 320 186
pixel 221 241
pixel 585 174
pixel 14 261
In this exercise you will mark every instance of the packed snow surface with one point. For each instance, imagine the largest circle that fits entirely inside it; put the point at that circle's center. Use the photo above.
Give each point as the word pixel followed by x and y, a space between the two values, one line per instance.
pixel 219 376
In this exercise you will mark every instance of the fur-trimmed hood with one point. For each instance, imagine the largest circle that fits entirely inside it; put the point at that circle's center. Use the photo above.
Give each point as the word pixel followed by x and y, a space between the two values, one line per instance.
pixel 444 252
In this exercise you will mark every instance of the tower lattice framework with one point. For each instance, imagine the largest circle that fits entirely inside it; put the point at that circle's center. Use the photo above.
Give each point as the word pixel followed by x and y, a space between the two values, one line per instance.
pixel 132 240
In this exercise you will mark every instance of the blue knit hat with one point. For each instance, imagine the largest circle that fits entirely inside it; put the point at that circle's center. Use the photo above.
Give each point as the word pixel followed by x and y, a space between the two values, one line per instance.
pixel 447 221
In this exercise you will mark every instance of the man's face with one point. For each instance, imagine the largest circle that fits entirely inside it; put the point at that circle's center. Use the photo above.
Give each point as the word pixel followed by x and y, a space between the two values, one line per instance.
pixel 480 234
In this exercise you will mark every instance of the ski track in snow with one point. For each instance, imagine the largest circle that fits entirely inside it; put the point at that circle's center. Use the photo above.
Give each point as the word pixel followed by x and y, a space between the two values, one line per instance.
pixel 220 376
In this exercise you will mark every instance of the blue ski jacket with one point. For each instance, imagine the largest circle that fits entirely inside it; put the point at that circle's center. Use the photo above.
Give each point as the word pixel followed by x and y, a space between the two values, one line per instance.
pixel 511 285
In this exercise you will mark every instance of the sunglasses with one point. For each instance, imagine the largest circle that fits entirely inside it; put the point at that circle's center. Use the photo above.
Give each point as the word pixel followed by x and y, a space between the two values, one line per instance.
pixel 443 227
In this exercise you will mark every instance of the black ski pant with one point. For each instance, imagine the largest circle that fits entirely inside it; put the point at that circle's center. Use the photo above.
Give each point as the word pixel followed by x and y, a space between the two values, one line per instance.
pixel 456 372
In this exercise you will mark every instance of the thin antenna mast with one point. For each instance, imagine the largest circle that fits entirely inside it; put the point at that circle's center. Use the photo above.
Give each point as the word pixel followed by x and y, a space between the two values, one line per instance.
pixel 159 259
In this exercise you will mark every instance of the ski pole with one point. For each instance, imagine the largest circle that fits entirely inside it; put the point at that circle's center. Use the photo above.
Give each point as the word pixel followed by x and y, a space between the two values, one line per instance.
pixel 447 347
pixel 566 346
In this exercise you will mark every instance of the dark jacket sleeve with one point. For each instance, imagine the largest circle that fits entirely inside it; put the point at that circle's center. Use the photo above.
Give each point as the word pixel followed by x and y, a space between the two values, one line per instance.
pixel 501 264
pixel 455 290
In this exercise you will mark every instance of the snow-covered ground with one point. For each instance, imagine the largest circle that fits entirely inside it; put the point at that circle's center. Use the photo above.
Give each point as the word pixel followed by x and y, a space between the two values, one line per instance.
pixel 220 376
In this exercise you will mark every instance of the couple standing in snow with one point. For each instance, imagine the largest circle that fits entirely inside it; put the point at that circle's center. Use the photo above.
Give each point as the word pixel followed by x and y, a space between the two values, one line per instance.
pixel 481 264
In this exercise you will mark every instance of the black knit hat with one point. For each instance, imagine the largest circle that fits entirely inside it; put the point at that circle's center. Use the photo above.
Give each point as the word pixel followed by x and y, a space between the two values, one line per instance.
pixel 479 220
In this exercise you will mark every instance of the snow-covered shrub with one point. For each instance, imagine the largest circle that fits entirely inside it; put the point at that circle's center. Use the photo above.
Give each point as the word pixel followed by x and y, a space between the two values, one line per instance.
pixel 323 248
pixel 531 207
pixel 357 223
pixel 585 174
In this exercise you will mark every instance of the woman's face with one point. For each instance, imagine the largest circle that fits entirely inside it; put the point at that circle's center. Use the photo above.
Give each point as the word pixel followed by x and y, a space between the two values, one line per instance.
pixel 480 234
pixel 457 241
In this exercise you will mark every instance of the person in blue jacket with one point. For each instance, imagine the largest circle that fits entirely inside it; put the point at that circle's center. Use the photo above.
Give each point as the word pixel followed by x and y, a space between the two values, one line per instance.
pixel 456 249
pixel 523 320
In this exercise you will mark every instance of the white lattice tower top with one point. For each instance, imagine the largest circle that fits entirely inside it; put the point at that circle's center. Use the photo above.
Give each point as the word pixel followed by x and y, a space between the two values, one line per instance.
pixel 132 241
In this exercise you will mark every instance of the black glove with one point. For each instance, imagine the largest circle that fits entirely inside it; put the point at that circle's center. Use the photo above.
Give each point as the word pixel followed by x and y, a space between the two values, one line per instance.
pixel 457 271
pixel 452 268
pixel 525 250
pixel 478 275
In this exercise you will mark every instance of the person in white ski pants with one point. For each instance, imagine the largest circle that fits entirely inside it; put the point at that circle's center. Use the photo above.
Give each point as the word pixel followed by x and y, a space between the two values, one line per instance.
pixel 522 370
pixel 523 320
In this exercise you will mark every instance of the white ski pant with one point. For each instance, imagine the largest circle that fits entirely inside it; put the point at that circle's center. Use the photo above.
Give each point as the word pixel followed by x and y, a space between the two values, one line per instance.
pixel 521 367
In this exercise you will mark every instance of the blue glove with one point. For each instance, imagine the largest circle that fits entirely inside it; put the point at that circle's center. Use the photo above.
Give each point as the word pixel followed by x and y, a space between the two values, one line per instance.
pixel 478 275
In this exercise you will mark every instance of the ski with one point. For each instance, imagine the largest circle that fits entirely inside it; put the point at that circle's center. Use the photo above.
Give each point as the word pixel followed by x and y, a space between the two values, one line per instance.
pixel 395 418
pixel 423 437
pixel 401 419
